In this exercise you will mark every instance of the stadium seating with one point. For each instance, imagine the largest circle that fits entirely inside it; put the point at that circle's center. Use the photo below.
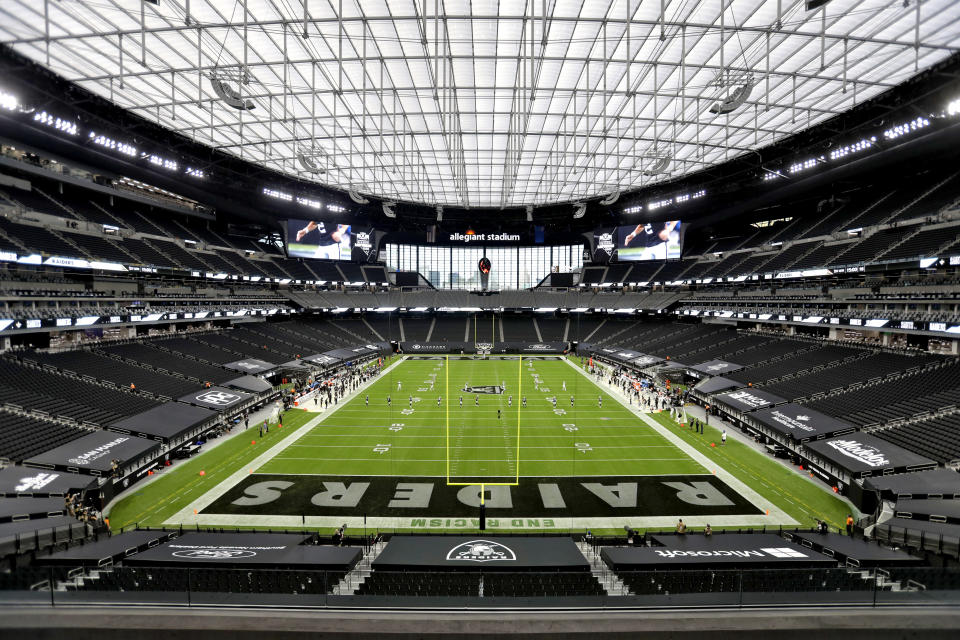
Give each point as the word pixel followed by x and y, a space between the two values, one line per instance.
pixel 519 329
pixel 900 397
pixel 733 581
pixel 846 374
pixel 70 397
pixel 937 438
pixel 209 580
pixel 22 436
pixel 489 585
pixel 796 361
pixel 120 373
pixel 147 355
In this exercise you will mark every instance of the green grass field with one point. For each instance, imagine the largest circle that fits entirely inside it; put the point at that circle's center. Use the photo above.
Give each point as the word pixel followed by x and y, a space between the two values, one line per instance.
pixel 416 463
pixel 478 441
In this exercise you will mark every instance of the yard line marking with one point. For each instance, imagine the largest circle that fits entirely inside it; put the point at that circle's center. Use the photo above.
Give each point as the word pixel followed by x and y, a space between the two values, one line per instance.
pixel 777 515
pixel 186 514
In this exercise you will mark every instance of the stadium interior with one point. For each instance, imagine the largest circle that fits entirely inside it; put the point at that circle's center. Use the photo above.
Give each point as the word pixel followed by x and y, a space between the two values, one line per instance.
pixel 737 221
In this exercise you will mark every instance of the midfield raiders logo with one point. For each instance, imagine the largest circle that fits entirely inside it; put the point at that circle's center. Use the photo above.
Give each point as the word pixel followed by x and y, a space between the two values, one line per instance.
pixel 32 483
pixel 486 388
pixel 482 551
pixel 218 398
pixel 213 553
pixel 869 456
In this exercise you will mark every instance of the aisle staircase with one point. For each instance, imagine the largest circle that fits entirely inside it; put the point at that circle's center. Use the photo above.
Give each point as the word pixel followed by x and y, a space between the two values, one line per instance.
pixel 611 584
pixel 355 577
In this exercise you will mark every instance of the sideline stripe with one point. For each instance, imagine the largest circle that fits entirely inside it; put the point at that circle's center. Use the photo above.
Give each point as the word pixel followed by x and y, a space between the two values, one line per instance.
pixel 777 515
pixel 186 515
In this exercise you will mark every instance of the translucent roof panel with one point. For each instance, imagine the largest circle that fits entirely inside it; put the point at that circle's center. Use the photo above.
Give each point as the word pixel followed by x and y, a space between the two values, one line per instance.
pixel 486 102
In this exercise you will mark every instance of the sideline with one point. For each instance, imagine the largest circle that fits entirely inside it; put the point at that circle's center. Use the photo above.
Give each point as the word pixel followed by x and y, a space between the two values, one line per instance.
pixel 186 516
pixel 777 515
pixel 266 413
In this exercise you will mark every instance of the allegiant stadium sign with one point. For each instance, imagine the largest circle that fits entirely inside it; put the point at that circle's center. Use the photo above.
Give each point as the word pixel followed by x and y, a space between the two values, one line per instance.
pixel 484 237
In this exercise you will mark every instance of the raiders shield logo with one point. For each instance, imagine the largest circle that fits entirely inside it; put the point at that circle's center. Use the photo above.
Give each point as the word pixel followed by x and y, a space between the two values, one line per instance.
pixel 218 398
pixel 481 551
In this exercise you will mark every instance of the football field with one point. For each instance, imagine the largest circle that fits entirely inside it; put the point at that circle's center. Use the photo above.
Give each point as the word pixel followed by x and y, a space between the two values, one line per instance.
pixel 535 438
pixel 465 420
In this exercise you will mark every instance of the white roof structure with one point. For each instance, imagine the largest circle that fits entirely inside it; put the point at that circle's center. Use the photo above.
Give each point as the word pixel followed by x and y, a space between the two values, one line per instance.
pixel 479 102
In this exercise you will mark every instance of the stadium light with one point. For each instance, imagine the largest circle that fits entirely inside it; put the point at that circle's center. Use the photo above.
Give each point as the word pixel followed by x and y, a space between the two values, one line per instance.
pixel 856 147
pixel 8 101
pixel 954 107
pixel 280 195
pixel 903 129
pixel 113 145
pixel 60 124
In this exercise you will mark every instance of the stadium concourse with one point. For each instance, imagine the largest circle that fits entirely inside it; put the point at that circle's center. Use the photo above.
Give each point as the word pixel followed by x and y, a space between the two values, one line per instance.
pixel 556 319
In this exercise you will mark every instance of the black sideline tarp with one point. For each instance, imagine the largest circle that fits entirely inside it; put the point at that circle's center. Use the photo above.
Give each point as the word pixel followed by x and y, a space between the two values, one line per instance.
pixel 855 551
pixel 17 481
pixel 216 398
pixel 715 384
pixel 864 454
pixel 939 483
pixel 800 423
pixel 27 535
pixel 645 361
pixel 28 507
pixel 251 384
pixel 716 367
pixel 933 510
pixel 167 422
pixel 250 365
pixel 726 551
pixel 748 399
pixel 106 549
pixel 252 550
pixel 93 453
pixel 479 553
